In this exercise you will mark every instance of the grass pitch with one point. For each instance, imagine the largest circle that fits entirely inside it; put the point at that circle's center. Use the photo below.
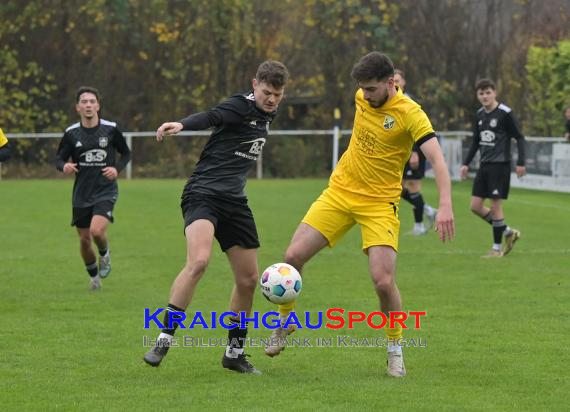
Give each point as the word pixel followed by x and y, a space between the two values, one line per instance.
pixel 497 331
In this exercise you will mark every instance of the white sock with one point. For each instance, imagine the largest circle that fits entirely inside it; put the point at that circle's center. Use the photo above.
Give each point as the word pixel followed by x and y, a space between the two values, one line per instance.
pixel 496 246
pixel 232 352
pixel 394 348
pixel 165 336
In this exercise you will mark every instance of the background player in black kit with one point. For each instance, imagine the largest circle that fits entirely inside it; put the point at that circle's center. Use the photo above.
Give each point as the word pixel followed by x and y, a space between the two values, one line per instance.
pixel 493 129
pixel 91 144
pixel 414 172
pixel 214 204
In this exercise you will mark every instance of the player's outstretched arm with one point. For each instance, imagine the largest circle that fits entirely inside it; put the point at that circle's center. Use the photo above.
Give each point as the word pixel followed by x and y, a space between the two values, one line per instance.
pixel 444 222
pixel 168 129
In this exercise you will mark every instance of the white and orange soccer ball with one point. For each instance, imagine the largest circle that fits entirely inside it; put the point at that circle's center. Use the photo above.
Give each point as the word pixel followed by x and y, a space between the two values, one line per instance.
pixel 280 283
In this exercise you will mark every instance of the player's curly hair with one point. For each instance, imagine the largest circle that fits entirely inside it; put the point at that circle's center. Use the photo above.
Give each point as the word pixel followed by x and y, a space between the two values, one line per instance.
pixel 373 66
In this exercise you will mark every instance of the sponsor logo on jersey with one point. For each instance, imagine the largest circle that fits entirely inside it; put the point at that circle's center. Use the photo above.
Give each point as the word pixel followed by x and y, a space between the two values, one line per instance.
pixel 389 122
pixel 493 123
pixel 254 150
pixel 103 141
pixel 256 145
pixel 94 156
pixel 253 123
pixel 487 138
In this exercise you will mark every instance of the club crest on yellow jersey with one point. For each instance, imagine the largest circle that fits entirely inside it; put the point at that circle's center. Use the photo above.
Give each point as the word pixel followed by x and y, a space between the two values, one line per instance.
pixel 389 122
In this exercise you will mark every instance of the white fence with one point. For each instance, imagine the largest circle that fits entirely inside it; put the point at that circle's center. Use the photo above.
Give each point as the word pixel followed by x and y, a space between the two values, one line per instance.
pixel 548 158
pixel 547 161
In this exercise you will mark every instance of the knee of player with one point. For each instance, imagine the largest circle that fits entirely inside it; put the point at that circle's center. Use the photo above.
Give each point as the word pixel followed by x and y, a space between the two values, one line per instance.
pixel 247 280
pixel 196 267
pixel 384 284
pixel 85 241
pixel 295 259
pixel 97 232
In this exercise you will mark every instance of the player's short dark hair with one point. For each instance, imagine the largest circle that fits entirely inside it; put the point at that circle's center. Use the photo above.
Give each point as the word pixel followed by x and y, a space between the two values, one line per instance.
pixel 86 89
pixel 272 72
pixel 373 66
pixel 483 84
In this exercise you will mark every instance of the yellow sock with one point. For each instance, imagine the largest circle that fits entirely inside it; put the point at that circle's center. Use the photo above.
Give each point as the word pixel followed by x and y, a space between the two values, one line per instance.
pixel 396 333
pixel 286 308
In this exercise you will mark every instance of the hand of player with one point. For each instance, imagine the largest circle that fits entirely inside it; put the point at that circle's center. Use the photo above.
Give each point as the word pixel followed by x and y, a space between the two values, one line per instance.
pixel 168 129
pixel 70 168
pixel 520 171
pixel 110 172
pixel 444 223
pixel 463 170
pixel 414 161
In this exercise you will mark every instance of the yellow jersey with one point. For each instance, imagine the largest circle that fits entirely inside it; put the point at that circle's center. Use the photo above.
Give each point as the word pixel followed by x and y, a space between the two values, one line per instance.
pixel 380 145
pixel 3 139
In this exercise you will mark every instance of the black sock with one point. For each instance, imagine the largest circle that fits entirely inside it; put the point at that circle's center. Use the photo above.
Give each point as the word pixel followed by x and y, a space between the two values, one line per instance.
pixel 92 269
pixel 103 252
pixel 498 229
pixel 418 202
pixel 406 195
pixel 169 317
pixel 488 218
pixel 237 336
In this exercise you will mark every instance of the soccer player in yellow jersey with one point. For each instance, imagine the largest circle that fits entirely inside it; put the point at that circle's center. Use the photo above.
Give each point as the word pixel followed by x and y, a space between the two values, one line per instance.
pixel 365 189
pixel 4 147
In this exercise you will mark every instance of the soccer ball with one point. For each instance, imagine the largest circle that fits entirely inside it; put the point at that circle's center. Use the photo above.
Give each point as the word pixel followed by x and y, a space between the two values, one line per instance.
pixel 280 283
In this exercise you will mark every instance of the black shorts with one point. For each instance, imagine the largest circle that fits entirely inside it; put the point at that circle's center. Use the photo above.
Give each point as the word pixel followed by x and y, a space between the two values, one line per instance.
pixel 493 181
pixel 82 215
pixel 417 174
pixel 232 219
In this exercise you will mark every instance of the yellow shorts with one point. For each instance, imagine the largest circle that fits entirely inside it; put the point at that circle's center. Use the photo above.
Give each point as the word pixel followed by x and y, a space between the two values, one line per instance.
pixel 336 211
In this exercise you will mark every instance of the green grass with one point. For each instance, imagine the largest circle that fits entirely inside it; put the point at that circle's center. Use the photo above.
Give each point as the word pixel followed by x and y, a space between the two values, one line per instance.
pixel 496 331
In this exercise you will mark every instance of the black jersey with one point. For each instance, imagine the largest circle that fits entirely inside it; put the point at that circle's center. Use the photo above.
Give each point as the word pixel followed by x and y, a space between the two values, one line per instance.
pixel 233 147
pixel 492 133
pixel 93 149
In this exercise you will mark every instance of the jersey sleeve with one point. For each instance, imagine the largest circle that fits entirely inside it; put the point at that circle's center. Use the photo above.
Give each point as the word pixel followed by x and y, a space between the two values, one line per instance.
pixel 233 110
pixel 64 151
pixel 514 131
pixel 419 125
pixel 122 148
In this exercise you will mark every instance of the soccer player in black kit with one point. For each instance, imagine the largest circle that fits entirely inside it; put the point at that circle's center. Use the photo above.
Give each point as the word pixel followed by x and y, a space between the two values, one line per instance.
pixel 414 172
pixel 88 150
pixel 493 130
pixel 214 204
